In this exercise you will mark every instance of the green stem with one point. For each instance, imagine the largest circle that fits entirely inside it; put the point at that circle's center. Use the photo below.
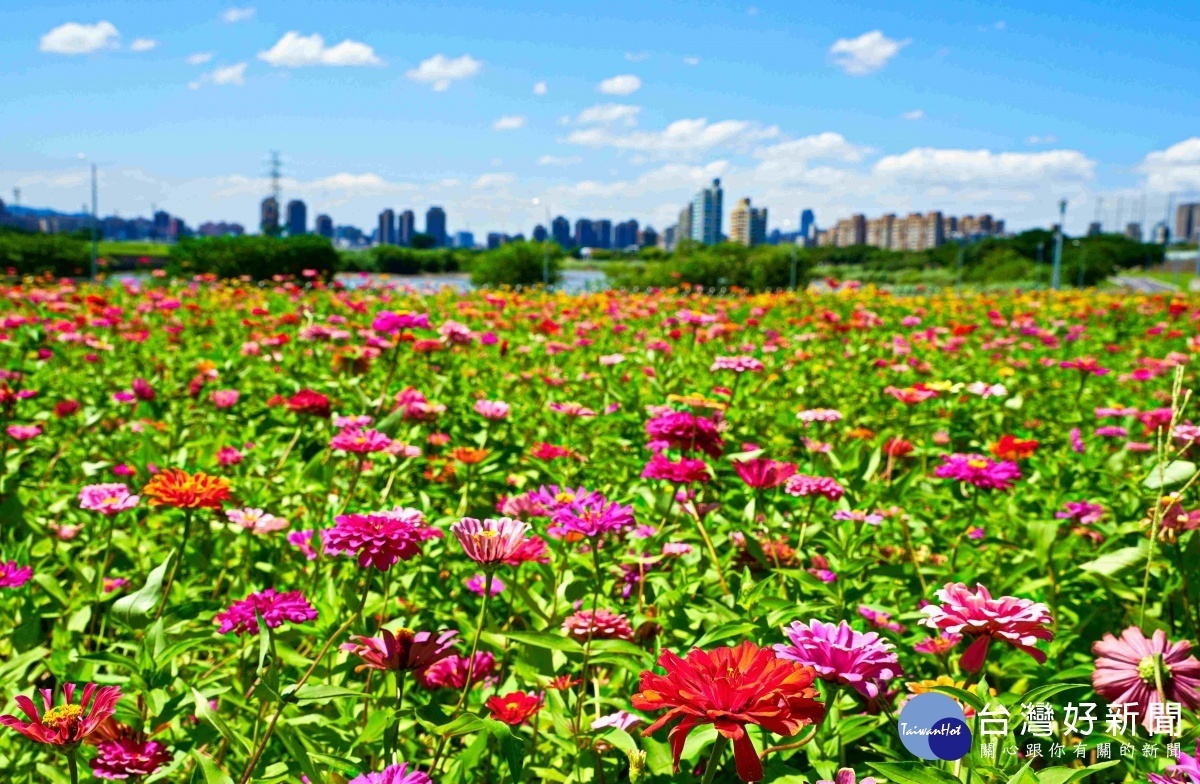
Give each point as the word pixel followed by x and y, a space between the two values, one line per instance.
pixel 714 759
pixel 587 648
pixel 179 556
pixel 73 766
pixel 462 697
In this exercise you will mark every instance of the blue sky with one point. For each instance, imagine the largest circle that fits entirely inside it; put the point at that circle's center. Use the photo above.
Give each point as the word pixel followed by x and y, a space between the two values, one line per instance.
pixel 842 107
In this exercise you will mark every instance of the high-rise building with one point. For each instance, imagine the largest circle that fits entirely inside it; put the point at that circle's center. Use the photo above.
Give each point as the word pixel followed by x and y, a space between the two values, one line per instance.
pixel 808 226
pixel 1134 231
pixel 268 221
pixel 162 220
pixel 435 226
pixel 683 229
pixel 1187 222
pixel 747 225
pixel 406 227
pixel 585 235
pixel 387 227
pixel 464 239
pixel 1095 229
pixel 1162 234
pixel 560 230
pixel 539 233
pixel 602 229
pixel 494 240
pixel 851 231
pixel 669 236
pixel 706 214
pixel 647 237
pixel 934 231
pixel 324 226
pixel 879 231
pixel 625 235
pixel 297 218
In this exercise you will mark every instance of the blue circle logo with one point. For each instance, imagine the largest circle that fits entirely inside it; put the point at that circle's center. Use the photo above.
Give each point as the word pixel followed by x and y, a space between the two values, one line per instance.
pixel 933 727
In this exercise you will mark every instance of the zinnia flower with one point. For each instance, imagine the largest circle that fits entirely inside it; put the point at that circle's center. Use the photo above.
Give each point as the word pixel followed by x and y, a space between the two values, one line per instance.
pixel 685 431
pixel 1010 447
pixel 1139 671
pixel 943 643
pixel 359 441
pixel 514 708
pixel 490 541
pixel 685 471
pixel 14 576
pixel 451 672
pixel 275 609
pixel 1185 770
pixel 846 776
pixel 803 486
pixel 1019 622
pixel 379 539
pixel 839 654
pixel 256 521
pixel 492 410
pixel 177 488
pixel 225 398
pixel 1082 512
pixel 108 499
pixel 478 585
pixel 126 757
pixel 310 403
pixel 980 471
pixel 598 625
pixel 68 724
pixel 730 688
pixel 590 519
pixel 402 651
pixel 762 474
pixel 394 774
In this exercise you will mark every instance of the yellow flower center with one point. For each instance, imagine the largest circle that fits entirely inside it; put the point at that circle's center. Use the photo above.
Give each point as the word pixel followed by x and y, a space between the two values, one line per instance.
pixel 63 714
pixel 489 533
pixel 978 464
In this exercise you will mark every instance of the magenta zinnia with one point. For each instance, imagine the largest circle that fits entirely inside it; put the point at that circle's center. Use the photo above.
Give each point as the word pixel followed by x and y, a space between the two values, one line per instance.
pixel 490 541
pixel 980 471
pixel 1139 671
pixel 379 539
pixel 598 625
pixel 275 609
pixel 839 654
pixel 1018 622
pixel 804 486
pixel 394 774
pixel 13 575
pixel 107 499
pixel 68 724
pixel 404 650
pixel 123 758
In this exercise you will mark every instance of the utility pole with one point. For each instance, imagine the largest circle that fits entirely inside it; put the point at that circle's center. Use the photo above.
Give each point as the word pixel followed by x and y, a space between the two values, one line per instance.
pixel 1039 262
pixel 1056 278
pixel 95 241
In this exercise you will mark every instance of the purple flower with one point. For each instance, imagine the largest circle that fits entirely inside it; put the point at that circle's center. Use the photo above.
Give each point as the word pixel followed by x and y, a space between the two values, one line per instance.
pixel 1077 445
pixel 391 323
pixel 980 471
pixel 302 540
pixel 275 609
pixel 122 758
pixel 396 774
pixel 107 499
pixel 842 655
pixel 477 584
pixel 804 486
pixel 590 520
pixel 14 576
pixel 622 720
pixel 1082 512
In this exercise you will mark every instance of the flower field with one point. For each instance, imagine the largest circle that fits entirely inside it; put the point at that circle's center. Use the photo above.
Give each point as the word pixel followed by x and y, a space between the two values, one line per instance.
pixel 295 532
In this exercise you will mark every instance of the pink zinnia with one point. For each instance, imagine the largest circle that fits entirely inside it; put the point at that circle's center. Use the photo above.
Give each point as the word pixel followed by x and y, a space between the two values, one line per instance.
pixel 228 455
pixel 839 654
pixel 65 725
pixel 225 398
pixel 379 539
pixel 394 774
pixel 451 672
pixel 492 410
pixel 939 645
pixel 803 486
pixel 1186 770
pixel 13 575
pixel 597 624
pixel 123 758
pixel 405 650
pixel 532 549
pixel 1082 512
pixel 683 471
pixel 685 431
pixel 391 323
pixel 491 541
pixel 478 585
pixel 762 474
pixel 275 609
pixel 1131 670
pixel 256 521
pixel 819 415
pixel 1018 622
pixel 980 471
pixel 302 541
pixel 107 499
pixel 23 432
pixel 359 441
pixel 739 364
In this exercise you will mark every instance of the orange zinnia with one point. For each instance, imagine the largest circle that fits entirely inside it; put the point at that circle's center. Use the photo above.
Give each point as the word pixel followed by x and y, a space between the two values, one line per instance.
pixel 468 455
pixel 177 488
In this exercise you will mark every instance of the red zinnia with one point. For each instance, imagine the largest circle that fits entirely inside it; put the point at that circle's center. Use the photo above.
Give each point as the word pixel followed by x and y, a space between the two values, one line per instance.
pixel 310 402
pixel 67 724
pixel 730 688
pixel 177 488
pixel 1010 447
pixel 515 707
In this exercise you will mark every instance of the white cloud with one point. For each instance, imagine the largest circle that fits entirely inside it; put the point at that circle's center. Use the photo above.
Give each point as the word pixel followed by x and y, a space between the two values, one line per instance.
pixel 225 74
pixel 232 15
pixel 625 84
pixel 865 54
pixel 199 58
pixel 915 114
pixel 76 38
pixel 508 123
pixel 295 51
pixel 1047 139
pixel 686 137
pixel 637 57
pixel 143 44
pixel 1175 168
pixel 440 71
pixel 925 165
pixel 820 146
pixel 493 180
pixel 604 113
pixel 555 160
pixel 691 61
pixel 539 88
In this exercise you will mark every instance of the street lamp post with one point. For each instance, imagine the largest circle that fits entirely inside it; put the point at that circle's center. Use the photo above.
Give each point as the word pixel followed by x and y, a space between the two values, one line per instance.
pixel 1056 278
pixel 545 247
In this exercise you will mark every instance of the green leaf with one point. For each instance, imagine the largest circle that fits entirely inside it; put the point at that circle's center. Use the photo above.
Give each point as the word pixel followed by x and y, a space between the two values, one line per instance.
pixel 145 599
pixel 264 639
pixel 1118 560
pixel 291 741
pixel 620 739
pixel 322 693
pixel 1043 693
pixel 912 773
pixel 1025 775
pixel 962 695
pixel 211 770
pixel 1175 472
pixel 1064 775
pixel 726 631
pixel 205 712
pixel 555 642
pixel 512 748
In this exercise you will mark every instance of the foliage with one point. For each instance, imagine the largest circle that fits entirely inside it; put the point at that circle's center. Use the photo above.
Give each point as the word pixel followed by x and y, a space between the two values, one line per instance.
pixel 517 264
pixel 259 257
pixel 29 253
pixel 726 265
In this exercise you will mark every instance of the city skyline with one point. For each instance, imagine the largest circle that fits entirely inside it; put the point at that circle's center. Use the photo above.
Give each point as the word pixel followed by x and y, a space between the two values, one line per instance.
pixel 871 109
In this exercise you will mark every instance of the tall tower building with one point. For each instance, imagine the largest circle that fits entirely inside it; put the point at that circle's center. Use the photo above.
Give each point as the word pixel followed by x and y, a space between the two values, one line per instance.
pixel 585 237
pixel 324 226
pixel 706 215
pixel 387 227
pixel 268 216
pixel 435 226
pixel 406 228
pixel 560 230
pixel 808 226
pixel 297 218
pixel 748 225
pixel 539 233
pixel 604 234
pixel 683 229
pixel 1187 222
